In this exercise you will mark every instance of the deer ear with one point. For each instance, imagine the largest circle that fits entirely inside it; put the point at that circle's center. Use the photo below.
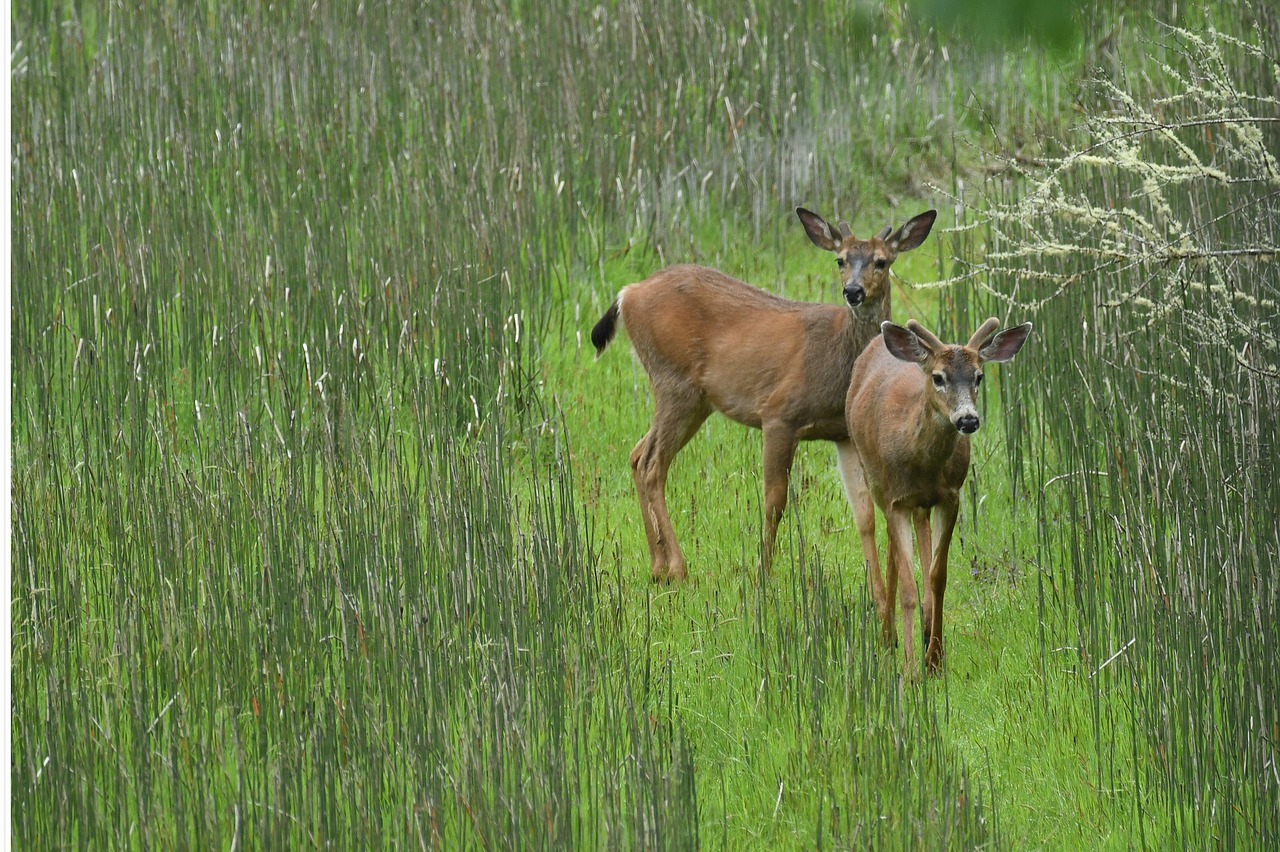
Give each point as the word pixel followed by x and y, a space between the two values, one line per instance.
pixel 913 233
pixel 903 344
pixel 1005 344
pixel 820 233
pixel 926 337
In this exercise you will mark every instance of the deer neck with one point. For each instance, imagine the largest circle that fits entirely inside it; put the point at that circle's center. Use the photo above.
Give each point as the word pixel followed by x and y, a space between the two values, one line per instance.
pixel 863 326
pixel 934 435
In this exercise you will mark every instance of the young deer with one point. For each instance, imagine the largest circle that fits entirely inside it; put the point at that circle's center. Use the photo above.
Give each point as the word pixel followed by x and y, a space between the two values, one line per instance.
pixel 910 411
pixel 711 343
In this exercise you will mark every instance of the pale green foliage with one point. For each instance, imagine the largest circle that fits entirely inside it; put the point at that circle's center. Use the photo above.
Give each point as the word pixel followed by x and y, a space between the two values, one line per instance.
pixel 1186 226
pixel 1147 256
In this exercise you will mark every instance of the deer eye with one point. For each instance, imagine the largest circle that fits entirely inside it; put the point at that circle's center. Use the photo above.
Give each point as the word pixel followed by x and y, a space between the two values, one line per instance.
pixel 840 262
pixel 977 380
pixel 939 381
pixel 880 263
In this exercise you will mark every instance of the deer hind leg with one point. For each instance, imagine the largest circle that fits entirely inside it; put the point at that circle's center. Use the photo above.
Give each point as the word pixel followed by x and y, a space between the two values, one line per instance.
pixel 676 419
pixel 657 550
pixel 899 525
pixel 944 524
pixel 779 451
pixel 864 514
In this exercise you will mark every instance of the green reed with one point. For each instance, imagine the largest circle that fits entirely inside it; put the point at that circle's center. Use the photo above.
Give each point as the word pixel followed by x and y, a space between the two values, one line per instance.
pixel 301 550
pixel 1145 255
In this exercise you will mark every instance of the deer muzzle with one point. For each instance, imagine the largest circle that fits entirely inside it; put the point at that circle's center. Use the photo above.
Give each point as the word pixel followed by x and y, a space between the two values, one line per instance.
pixel 967 423
pixel 854 294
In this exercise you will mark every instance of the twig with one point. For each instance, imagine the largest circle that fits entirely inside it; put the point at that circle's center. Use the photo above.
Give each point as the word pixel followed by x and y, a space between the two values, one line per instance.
pixel 1113 657
pixel 1074 473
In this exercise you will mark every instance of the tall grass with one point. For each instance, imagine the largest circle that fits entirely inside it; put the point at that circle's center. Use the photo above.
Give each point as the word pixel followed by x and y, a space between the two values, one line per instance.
pixel 322 532
pixel 298 556
pixel 1146 254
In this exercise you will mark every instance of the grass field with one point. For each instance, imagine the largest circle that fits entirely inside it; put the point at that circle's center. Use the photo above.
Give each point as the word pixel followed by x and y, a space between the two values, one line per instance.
pixel 323 530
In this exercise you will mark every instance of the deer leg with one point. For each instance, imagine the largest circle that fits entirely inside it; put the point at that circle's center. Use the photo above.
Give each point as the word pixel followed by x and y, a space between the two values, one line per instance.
pixel 924 547
pixel 779 451
pixel 900 569
pixel 944 524
pixel 864 514
pixel 924 540
pixel 676 420
pixel 657 549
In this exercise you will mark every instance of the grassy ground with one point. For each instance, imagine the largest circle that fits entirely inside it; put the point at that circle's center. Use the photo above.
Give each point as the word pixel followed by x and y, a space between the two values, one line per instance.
pixel 323 532
pixel 1000 712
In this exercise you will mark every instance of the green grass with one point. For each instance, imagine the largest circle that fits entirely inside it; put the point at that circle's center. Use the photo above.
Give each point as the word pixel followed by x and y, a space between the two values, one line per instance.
pixel 1043 784
pixel 323 532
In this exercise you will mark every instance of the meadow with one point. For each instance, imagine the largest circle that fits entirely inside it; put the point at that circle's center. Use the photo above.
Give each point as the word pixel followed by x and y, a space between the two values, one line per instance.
pixel 323 529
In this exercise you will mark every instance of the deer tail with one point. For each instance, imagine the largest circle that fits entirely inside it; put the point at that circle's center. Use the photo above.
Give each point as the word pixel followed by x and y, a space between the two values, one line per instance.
pixel 607 327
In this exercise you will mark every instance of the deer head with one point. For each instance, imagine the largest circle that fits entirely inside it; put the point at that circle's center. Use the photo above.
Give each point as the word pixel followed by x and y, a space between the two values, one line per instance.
pixel 864 264
pixel 954 373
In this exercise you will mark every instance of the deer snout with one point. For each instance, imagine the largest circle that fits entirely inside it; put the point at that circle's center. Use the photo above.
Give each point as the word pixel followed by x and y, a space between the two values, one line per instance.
pixel 854 294
pixel 967 423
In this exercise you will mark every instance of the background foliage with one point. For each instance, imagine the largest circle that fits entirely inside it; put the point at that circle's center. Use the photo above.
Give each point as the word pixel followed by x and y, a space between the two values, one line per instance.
pixel 322 533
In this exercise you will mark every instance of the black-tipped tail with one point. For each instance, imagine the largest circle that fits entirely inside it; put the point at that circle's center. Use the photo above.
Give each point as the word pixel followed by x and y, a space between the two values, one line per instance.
pixel 606 328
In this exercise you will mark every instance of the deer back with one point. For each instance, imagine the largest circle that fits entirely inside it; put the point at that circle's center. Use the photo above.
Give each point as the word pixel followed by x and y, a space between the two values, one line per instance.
pixel 753 355
pixel 707 338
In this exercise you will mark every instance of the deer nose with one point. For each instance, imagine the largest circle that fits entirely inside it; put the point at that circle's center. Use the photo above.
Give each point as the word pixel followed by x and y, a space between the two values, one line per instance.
pixel 854 294
pixel 968 424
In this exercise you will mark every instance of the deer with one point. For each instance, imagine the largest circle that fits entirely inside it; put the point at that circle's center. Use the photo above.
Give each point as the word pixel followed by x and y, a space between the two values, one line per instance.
pixel 709 342
pixel 910 411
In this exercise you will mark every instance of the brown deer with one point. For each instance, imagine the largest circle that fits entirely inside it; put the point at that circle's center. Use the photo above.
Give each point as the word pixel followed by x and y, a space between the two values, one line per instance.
pixel 711 343
pixel 910 412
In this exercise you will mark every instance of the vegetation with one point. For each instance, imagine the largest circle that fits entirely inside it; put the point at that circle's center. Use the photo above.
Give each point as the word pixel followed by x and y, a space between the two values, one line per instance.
pixel 1152 262
pixel 322 530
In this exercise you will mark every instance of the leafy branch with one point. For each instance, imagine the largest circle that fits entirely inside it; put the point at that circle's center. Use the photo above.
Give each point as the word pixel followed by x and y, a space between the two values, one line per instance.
pixel 1168 206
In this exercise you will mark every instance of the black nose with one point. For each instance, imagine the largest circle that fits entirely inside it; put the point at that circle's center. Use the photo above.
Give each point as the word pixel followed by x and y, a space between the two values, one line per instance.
pixel 854 295
pixel 967 424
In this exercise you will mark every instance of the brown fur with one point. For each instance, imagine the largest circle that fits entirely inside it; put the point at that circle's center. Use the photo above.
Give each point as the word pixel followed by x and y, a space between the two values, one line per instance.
pixel 711 343
pixel 907 455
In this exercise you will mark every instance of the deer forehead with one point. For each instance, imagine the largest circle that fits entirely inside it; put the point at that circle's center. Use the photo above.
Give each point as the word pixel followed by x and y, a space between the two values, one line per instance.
pixel 867 251
pixel 957 363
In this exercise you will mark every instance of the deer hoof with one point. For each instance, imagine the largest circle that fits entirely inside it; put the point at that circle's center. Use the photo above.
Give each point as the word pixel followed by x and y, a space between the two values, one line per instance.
pixel 665 574
pixel 933 657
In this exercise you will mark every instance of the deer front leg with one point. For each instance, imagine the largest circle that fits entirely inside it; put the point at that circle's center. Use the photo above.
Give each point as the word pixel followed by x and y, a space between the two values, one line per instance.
pixel 864 514
pixel 899 525
pixel 944 524
pixel 779 451
pixel 924 541
pixel 924 547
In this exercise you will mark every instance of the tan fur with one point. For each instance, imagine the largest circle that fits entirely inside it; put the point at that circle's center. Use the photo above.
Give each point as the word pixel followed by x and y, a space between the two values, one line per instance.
pixel 711 343
pixel 907 456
